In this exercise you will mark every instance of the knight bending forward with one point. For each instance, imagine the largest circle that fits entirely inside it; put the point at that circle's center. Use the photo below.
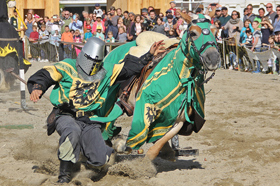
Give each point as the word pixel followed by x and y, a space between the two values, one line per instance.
pixel 84 96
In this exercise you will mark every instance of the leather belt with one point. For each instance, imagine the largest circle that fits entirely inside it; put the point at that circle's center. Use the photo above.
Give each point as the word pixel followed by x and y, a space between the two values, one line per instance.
pixel 79 113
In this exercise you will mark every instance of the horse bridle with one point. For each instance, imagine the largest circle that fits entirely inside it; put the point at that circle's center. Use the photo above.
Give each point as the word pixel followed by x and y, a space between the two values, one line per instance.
pixel 204 31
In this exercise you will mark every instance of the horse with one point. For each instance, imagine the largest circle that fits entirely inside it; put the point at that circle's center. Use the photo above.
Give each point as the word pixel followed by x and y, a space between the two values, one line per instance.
pixel 171 99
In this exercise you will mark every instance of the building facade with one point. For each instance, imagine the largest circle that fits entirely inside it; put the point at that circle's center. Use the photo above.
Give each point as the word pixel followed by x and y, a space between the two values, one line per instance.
pixel 41 7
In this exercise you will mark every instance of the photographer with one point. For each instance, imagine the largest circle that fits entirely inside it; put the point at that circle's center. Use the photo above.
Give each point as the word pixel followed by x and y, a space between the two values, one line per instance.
pixel 153 19
pixel 146 18
pixel 234 26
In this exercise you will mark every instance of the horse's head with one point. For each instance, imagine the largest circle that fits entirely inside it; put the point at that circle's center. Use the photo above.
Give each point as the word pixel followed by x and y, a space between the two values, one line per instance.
pixel 199 41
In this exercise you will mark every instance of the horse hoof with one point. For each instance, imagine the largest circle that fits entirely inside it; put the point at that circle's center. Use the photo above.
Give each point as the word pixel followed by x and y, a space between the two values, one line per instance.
pixel 119 146
pixel 151 156
pixel 168 155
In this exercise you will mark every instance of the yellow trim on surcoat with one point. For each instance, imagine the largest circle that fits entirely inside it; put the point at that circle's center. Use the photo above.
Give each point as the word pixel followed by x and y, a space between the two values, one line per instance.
pixel 116 71
pixel 55 75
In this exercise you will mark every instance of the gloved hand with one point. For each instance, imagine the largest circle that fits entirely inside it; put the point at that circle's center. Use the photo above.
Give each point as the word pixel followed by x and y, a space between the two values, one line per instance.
pixel 157 48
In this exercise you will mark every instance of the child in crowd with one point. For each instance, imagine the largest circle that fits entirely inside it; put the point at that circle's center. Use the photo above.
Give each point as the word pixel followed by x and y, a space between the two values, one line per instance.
pixel 98 10
pixel 172 7
pixel 44 36
pixel 43 33
pixel 120 23
pixel 77 38
pixel 137 27
pixel 257 36
pixel 110 38
pixel 88 22
pixel 67 37
pixel 247 25
pixel 99 33
pixel 169 24
pixel 219 31
pixel 122 35
pixel 179 22
pixel 182 28
pixel 72 31
pixel 171 33
pixel 88 34
pixel 249 39
pixel 34 36
pixel 55 37
pixel 159 27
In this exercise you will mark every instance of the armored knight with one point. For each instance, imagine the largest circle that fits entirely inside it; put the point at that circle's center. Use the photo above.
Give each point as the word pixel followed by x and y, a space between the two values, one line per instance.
pixel 84 99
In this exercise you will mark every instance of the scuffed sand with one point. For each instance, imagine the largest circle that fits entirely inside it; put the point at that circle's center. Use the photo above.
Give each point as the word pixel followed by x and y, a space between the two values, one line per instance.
pixel 239 143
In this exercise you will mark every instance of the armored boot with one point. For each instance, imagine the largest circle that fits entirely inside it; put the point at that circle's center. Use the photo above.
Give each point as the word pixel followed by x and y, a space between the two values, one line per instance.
pixel 65 170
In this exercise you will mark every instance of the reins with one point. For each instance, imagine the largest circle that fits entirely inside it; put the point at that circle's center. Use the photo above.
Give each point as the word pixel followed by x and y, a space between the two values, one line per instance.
pixel 212 43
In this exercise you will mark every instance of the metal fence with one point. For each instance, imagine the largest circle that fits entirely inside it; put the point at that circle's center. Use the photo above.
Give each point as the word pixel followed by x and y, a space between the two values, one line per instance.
pixel 232 54
pixel 244 59
pixel 55 51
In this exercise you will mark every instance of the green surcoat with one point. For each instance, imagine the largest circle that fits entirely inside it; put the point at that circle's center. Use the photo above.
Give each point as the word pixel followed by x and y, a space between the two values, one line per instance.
pixel 167 90
pixel 99 97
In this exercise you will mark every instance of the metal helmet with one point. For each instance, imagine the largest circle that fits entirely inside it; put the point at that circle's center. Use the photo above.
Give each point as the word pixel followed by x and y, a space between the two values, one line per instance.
pixel 89 60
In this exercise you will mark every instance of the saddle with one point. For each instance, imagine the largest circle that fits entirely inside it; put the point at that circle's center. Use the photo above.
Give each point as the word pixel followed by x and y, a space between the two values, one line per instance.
pixel 139 80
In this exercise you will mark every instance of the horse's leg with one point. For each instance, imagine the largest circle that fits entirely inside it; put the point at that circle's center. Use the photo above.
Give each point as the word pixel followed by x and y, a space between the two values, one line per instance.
pixel 154 150
pixel 167 152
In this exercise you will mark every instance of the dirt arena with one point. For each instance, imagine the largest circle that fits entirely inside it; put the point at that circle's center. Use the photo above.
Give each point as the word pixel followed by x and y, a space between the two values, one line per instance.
pixel 238 145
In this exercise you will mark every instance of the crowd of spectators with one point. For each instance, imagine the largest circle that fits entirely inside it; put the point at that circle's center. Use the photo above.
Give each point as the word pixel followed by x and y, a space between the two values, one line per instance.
pixel 116 25
pixel 256 32
pixel 112 26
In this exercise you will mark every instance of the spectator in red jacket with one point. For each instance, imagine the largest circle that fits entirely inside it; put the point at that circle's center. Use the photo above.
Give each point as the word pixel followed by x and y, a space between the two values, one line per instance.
pixel 172 7
pixel 34 36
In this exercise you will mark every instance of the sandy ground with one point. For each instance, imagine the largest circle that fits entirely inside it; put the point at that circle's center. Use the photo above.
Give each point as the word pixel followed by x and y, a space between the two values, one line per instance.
pixel 239 144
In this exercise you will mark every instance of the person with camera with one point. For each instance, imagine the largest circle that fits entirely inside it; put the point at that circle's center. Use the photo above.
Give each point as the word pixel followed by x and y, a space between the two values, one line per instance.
pixel 234 26
pixel 76 23
pixel 146 18
pixel 153 19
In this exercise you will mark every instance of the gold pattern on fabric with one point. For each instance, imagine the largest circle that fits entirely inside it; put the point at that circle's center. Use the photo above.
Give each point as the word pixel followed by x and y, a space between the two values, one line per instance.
pixel 55 75
pixel 157 75
pixel 139 138
pixel 159 131
pixel 67 68
pixel 151 112
pixel 84 93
